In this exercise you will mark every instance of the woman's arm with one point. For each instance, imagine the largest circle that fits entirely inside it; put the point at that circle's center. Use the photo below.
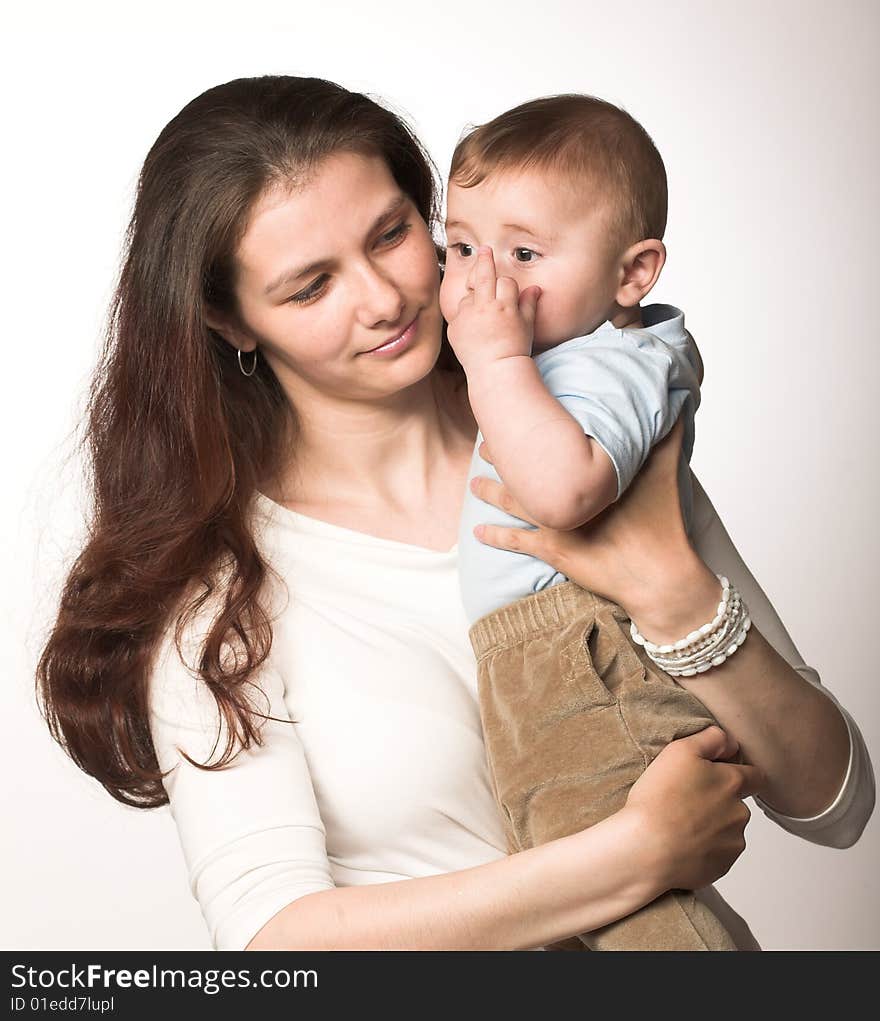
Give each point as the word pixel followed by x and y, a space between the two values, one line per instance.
pixel 842 821
pixel 638 555
pixel 527 900
pixel 777 717
pixel 665 837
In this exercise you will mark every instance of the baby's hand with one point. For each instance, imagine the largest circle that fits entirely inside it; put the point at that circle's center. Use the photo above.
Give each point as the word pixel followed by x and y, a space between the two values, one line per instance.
pixel 494 321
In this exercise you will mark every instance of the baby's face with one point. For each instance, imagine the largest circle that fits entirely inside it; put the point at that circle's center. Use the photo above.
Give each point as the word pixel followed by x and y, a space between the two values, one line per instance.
pixel 542 230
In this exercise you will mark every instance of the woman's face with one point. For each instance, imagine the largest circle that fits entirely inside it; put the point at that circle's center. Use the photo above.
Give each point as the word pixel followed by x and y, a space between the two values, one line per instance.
pixel 337 284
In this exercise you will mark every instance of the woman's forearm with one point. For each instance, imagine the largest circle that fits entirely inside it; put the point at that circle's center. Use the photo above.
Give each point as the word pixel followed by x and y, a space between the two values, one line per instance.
pixel 529 899
pixel 784 724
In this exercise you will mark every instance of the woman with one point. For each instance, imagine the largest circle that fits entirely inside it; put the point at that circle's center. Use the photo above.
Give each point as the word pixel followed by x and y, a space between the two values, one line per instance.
pixel 280 438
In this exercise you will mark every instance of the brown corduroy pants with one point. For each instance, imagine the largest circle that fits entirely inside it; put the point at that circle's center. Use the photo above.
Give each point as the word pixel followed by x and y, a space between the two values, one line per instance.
pixel 573 712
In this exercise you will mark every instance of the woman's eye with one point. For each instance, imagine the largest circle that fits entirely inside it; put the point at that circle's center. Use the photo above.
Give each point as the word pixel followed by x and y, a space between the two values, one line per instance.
pixel 307 294
pixel 464 249
pixel 524 255
pixel 398 233
pixel 318 286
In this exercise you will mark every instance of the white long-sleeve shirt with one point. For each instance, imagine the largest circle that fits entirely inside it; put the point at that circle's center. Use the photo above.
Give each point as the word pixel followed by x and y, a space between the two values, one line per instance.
pixel 382 774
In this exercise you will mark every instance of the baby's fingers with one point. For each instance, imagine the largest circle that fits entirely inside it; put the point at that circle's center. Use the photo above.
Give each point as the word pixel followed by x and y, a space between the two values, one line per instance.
pixel 484 278
pixel 506 290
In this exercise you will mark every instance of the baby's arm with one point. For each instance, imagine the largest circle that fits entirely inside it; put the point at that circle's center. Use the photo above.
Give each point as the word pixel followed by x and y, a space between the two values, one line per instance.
pixel 560 476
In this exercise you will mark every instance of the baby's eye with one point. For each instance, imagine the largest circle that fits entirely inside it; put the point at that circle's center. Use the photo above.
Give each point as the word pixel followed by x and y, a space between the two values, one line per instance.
pixel 464 249
pixel 524 255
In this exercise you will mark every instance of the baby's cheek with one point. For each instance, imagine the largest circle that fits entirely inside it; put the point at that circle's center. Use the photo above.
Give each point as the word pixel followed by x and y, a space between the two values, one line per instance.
pixel 546 322
pixel 450 296
pixel 561 319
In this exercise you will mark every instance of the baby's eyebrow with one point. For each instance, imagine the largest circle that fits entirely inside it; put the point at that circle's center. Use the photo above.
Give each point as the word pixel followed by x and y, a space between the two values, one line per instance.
pixel 517 228
pixel 520 228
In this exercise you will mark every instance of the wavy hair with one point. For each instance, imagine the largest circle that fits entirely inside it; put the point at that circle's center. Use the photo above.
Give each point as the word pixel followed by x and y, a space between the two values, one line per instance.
pixel 177 440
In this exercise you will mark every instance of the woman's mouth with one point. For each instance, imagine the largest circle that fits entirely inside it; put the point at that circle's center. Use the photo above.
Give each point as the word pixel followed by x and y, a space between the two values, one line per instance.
pixel 398 343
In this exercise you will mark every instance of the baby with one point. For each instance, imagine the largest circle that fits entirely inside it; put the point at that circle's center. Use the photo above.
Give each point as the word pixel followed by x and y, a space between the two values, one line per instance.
pixel 572 382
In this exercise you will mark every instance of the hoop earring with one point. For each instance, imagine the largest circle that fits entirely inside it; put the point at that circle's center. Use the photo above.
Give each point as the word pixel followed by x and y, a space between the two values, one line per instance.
pixel 253 367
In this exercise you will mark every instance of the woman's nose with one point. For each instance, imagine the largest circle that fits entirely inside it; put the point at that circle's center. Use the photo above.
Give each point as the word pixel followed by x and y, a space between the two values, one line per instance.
pixel 381 298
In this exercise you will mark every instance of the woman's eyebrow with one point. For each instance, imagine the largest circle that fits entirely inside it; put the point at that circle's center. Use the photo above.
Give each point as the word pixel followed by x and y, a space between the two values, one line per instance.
pixel 289 275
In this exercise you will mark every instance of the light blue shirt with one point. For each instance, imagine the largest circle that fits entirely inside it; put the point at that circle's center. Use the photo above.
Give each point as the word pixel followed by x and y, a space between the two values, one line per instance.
pixel 626 388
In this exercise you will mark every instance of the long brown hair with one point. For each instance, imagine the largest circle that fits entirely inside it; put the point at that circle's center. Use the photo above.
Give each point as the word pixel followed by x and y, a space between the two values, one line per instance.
pixel 177 438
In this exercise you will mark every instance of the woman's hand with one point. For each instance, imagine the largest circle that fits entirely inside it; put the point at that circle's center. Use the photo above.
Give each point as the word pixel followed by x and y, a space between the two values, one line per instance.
pixel 635 553
pixel 691 811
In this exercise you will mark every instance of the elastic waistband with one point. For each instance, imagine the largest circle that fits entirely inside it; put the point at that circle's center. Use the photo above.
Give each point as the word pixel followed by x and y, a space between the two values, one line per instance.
pixel 527 617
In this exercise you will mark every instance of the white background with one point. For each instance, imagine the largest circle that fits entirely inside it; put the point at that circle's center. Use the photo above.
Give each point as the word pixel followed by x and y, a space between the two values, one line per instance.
pixel 766 115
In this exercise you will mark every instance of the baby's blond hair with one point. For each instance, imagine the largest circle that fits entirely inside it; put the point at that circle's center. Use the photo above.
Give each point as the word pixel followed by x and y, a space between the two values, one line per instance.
pixel 581 137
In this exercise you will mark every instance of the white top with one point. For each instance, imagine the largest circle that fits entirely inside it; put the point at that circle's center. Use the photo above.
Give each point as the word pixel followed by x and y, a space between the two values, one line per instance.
pixel 382 776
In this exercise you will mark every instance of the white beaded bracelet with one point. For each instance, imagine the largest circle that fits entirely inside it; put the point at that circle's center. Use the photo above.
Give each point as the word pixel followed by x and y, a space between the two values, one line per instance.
pixel 708 646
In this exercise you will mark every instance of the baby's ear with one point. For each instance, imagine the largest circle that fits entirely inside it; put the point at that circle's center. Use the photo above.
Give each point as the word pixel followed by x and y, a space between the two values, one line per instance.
pixel 639 269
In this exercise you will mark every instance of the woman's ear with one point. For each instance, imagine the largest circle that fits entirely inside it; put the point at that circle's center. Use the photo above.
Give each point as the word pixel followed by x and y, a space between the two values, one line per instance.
pixel 640 266
pixel 229 330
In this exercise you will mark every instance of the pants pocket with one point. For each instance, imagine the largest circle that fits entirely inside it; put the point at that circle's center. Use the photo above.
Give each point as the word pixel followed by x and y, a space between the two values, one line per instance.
pixel 656 708
pixel 561 753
